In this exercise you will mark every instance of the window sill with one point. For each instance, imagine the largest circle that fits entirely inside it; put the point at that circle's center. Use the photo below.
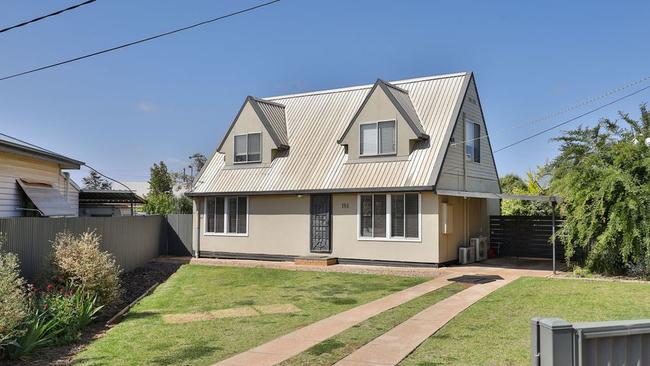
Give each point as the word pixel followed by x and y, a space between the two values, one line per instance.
pixel 226 234
pixel 409 240
pixel 377 159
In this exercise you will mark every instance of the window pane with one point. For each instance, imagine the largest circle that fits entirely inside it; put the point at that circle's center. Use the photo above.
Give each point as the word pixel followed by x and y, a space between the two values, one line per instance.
pixel 220 210
pixel 254 146
pixel 397 215
pixel 469 141
pixel 477 143
pixel 240 148
pixel 379 216
pixel 209 214
pixel 368 139
pixel 387 137
pixel 241 215
pixel 412 215
pixel 232 214
pixel 366 216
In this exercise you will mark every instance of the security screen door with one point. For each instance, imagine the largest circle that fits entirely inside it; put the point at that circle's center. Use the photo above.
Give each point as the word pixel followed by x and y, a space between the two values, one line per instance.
pixel 321 223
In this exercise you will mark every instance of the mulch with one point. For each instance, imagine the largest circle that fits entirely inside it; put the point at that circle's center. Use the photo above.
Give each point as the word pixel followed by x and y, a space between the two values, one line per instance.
pixel 134 284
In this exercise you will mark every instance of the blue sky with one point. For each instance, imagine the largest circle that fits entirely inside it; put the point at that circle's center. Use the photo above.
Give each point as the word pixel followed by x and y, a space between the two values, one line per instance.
pixel 169 98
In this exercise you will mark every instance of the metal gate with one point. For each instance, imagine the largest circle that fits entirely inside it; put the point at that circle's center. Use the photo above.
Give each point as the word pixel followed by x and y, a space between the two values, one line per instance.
pixel 524 236
pixel 321 223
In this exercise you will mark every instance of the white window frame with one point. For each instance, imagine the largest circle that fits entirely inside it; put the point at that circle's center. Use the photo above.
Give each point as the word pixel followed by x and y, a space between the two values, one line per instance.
pixel 376 123
pixel 225 217
pixel 389 214
pixel 472 158
pixel 234 150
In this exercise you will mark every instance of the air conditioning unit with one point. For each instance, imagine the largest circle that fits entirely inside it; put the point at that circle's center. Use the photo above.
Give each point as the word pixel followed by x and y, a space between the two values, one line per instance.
pixel 465 255
pixel 480 245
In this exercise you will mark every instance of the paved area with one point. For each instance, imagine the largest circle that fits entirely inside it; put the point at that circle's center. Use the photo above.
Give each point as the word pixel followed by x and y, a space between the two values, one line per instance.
pixel 289 345
pixel 393 346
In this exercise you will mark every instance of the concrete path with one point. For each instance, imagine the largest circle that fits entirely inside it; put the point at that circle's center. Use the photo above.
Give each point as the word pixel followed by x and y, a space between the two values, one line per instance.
pixel 394 345
pixel 289 345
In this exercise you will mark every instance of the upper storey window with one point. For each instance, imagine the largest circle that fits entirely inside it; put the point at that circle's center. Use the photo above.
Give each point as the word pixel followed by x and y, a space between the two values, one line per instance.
pixel 248 148
pixel 473 142
pixel 377 138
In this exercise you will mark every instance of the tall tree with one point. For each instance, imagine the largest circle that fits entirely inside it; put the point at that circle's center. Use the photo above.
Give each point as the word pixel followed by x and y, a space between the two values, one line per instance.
pixel 95 181
pixel 182 179
pixel 160 180
pixel 602 175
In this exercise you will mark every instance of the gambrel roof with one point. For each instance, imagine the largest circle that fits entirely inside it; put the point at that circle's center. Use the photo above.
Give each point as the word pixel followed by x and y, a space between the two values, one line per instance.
pixel 316 162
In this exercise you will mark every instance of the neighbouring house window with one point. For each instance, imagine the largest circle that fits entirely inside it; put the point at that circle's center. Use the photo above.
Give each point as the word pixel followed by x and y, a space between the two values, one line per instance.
pixel 389 216
pixel 377 138
pixel 248 148
pixel 226 215
pixel 473 142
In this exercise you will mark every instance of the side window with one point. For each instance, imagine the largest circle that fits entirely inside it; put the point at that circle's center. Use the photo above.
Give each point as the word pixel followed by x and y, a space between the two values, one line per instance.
pixel 248 148
pixel 473 142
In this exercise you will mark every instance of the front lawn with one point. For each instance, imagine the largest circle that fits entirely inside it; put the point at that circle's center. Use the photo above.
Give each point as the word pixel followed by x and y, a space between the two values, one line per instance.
pixel 145 338
pixel 496 330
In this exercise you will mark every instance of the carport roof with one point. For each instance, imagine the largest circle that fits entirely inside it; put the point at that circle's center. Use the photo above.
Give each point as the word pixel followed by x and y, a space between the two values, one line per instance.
pixel 499 196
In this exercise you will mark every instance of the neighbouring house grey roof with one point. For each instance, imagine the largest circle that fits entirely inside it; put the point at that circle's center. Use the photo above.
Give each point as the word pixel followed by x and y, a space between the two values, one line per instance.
pixel 21 148
pixel 92 196
pixel 316 162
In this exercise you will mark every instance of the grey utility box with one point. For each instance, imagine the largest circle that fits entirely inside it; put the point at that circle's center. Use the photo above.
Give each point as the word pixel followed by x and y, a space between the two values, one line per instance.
pixel 555 342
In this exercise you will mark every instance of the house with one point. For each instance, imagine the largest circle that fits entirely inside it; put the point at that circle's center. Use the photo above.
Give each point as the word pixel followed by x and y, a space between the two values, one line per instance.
pixel 390 172
pixel 108 203
pixel 33 181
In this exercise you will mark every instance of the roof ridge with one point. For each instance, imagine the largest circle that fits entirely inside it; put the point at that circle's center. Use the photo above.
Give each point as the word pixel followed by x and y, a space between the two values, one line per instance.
pixel 260 100
pixel 366 86
pixel 393 86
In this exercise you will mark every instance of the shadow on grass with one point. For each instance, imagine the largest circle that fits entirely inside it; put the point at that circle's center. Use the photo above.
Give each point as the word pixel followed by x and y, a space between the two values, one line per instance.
pixel 326 347
pixel 182 355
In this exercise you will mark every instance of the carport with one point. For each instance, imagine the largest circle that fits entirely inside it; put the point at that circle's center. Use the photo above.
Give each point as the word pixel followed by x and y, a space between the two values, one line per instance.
pixel 501 196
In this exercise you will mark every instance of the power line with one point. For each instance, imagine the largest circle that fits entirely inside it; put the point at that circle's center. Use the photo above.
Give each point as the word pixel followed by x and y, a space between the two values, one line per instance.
pixel 571 120
pixel 140 40
pixel 46 16
pixel 562 111
pixel 52 152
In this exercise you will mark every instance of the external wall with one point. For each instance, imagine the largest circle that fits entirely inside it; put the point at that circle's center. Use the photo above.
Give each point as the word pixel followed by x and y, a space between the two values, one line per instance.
pixel 279 225
pixel 470 219
pixel 13 167
pixel 482 176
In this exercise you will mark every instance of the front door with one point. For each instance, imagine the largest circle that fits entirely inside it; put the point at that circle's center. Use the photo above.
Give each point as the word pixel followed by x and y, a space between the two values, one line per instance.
pixel 321 223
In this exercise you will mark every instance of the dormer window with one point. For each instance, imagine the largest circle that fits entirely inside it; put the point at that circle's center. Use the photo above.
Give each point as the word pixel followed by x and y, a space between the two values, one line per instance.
pixel 248 148
pixel 377 138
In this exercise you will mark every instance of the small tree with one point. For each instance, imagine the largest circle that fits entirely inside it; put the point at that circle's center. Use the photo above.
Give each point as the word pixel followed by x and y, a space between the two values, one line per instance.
pixel 184 180
pixel 602 175
pixel 536 184
pixel 160 180
pixel 96 182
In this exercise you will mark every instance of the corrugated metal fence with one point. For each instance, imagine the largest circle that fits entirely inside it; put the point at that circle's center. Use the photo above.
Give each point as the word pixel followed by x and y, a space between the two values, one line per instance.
pixel 133 240
pixel 524 236
pixel 179 234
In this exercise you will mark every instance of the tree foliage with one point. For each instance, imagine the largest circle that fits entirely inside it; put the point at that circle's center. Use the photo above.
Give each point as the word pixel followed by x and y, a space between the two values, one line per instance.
pixel 603 175
pixel 182 179
pixel 13 308
pixel 160 180
pixel 536 184
pixel 96 182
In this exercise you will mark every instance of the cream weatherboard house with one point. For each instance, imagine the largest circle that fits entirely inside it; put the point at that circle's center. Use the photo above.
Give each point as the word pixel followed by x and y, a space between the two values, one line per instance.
pixel 391 172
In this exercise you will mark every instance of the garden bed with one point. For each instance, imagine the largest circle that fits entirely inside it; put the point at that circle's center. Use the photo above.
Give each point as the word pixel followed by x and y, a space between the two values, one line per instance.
pixel 134 284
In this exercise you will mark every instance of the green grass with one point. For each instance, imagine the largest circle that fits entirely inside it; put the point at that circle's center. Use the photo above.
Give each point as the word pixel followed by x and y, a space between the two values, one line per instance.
pixel 496 330
pixel 144 339
pixel 331 350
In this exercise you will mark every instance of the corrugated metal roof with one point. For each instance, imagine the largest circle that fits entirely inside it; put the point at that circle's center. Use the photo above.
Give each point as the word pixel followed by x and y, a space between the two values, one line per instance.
pixel 404 101
pixel 14 145
pixel 274 114
pixel 317 162
pixel 47 199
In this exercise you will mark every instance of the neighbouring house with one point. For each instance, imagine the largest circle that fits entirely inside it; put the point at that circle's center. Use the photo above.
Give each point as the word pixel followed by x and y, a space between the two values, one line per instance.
pixel 108 203
pixel 33 181
pixel 390 172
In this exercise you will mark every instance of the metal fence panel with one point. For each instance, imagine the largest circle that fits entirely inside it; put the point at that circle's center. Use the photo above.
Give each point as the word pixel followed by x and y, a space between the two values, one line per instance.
pixel 524 236
pixel 133 240
pixel 179 234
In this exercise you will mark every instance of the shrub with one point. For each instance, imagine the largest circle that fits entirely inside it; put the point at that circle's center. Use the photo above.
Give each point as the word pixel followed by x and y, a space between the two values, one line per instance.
pixel 13 303
pixel 79 262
